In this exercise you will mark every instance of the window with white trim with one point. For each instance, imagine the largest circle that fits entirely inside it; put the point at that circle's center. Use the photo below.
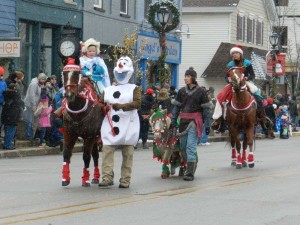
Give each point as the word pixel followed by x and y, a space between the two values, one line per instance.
pixel 240 30
pixel 98 4
pixel 146 8
pixel 124 7
pixel 250 29
pixel 259 32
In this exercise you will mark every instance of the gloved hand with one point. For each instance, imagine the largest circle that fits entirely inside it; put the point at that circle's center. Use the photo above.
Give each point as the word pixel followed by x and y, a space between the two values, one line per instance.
pixel 207 130
pixel 117 106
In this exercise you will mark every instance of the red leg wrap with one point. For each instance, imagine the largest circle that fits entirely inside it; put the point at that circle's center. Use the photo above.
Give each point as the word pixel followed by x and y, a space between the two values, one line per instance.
pixel 250 158
pixel 233 154
pixel 66 172
pixel 239 159
pixel 86 176
pixel 96 173
pixel 244 155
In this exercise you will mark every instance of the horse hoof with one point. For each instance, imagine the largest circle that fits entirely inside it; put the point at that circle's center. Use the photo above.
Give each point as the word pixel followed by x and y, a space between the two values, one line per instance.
pixel 233 164
pixel 164 176
pixel 251 165
pixel 86 185
pixel 244 164
pixel 95 181
pixel 238 166
pixel 65 183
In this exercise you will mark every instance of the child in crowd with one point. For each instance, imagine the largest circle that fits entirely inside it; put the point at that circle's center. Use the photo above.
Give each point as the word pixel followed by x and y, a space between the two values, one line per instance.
pixel 284 130
pixel 94 66
pixel 12 111
pixel 43 113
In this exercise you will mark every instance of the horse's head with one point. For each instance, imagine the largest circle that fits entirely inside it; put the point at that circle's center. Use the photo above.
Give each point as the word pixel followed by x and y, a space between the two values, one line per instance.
pixel 160 122
pixel 71 79
pixel 236 76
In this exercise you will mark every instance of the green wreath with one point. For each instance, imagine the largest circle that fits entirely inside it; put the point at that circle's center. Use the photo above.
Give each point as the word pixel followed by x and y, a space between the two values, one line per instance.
pixel 173 10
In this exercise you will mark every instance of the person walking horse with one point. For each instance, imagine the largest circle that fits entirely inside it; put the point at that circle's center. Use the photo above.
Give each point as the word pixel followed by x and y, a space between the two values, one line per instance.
pixel 188 107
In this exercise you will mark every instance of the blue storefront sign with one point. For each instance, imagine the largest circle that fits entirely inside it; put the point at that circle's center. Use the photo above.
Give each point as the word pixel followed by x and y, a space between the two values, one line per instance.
pixel 148 47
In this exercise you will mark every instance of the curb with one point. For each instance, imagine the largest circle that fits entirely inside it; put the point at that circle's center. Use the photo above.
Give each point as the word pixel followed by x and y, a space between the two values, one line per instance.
pixel 24 148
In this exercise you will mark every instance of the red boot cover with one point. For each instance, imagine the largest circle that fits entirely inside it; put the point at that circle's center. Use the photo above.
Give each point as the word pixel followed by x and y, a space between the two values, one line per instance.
pixel 86 176
pixel 244 155
pixel 250 158
pixel 66 172
pixel 233 154
pixel 96 173
pixel 239 159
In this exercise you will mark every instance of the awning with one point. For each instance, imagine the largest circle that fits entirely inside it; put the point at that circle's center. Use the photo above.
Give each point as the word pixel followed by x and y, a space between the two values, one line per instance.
pixel 217 66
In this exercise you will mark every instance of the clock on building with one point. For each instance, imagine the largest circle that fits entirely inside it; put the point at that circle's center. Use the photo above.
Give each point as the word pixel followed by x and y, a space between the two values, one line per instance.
pixel 68 46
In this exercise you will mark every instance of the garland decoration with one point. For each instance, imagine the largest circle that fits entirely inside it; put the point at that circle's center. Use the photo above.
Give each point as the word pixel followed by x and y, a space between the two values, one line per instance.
pixel 171 24
pixel 154 8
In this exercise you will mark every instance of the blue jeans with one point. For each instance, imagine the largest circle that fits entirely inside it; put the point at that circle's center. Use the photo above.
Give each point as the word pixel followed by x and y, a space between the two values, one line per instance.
pixel 189 145
pixel 204 137
pixel 10 133
pixel 42 133
pixel 28 131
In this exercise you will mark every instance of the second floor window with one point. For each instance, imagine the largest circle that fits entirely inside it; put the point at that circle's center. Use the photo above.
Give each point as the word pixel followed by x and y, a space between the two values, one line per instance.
pixel 98 3
pixel 240 30
pixel 146 8
pixel 259 32
pixel 283 35
pixel 124 7
pixel 281 2
pixel 250 30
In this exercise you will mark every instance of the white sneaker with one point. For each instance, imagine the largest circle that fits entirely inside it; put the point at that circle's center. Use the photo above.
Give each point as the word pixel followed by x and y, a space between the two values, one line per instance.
pixel 206 143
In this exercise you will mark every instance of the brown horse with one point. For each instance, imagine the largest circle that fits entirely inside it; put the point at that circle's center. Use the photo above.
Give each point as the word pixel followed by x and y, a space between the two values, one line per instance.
pixel 82 116
pixel 241 118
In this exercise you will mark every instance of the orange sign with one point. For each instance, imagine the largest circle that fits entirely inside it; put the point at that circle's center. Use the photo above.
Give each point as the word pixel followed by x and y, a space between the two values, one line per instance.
pixel 10 48
pixel 269 64
pixel 278 64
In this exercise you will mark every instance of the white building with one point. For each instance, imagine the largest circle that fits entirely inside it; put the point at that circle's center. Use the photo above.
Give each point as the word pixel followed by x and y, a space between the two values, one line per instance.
pixel 218 25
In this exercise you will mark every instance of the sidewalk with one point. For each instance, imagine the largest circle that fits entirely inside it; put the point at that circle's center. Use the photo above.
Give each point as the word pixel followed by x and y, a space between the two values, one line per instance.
pixel 26 148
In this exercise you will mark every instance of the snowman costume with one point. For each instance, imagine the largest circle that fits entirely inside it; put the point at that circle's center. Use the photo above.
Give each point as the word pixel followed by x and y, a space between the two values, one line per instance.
pixel 121 124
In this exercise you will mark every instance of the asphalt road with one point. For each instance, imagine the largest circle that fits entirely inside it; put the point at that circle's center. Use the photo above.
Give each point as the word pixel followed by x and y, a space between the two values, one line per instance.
pixel 269 194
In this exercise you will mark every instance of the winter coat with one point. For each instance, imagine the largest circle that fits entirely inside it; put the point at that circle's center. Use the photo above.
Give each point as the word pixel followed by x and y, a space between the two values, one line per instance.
pixel 33 94
pixel 3 87
pixel 12 108
pixel 147 103
pixel 43 116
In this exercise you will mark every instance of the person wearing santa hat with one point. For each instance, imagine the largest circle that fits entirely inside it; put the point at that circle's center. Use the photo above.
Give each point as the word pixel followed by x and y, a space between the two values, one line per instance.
pixel 237 61
pixel 94 66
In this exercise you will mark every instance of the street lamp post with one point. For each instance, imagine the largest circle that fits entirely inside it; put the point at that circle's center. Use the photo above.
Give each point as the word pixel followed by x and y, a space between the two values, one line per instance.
pixel 164 16
pixel 274 42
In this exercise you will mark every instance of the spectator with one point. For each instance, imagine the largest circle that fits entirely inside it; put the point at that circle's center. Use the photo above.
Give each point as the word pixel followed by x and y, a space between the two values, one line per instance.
pixel 11 113
pixel 3 87
pixel 148 100
pixel 164 101
pixel 43 112
pixel 293 112
pixel 270 112
pixel 32 98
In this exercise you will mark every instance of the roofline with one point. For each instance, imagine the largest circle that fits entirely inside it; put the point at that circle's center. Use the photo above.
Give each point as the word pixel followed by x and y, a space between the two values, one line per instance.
pixel 226 9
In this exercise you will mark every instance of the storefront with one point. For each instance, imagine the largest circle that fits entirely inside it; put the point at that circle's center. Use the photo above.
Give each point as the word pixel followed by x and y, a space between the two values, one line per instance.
pixel 148 50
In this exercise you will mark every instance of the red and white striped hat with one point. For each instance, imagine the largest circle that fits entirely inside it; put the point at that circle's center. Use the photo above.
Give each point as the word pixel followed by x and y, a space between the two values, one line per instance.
pixel 71 65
